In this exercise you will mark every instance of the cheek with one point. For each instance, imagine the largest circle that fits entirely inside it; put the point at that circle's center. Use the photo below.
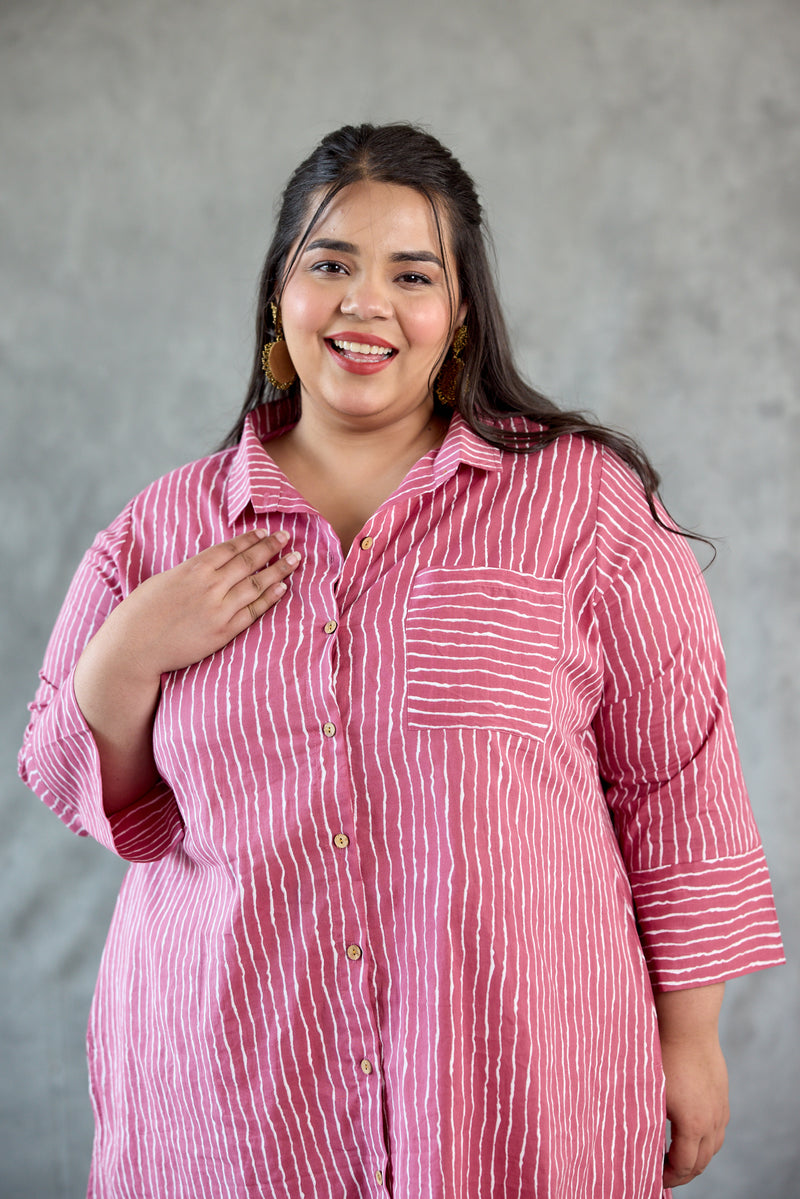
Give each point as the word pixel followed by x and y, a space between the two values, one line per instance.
pixel 428 326
pixel 303 312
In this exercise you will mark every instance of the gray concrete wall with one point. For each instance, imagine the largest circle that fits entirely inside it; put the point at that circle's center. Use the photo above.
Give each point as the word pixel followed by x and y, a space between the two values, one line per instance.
pixel 640 164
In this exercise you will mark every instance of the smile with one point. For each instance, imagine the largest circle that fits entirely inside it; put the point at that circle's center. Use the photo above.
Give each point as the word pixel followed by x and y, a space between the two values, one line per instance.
pixel 360 357
pixel 359 348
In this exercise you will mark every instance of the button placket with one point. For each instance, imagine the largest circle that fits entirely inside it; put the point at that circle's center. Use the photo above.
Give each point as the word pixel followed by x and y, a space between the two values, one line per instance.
pixel 355 973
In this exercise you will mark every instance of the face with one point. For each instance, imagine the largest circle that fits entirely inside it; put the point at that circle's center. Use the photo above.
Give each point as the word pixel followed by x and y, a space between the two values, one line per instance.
pixel 366 312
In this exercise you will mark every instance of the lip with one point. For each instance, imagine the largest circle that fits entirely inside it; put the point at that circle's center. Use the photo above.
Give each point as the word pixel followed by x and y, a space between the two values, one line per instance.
pixel 368 366
pixel 371 340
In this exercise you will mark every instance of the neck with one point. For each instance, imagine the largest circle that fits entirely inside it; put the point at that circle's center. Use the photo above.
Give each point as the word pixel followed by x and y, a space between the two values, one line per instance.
pixel 346 469
pixel 366 443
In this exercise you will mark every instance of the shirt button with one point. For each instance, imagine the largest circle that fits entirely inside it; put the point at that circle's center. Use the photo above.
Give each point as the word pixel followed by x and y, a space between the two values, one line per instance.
pixel 329 729
pixel 379 1177
pixel 366 543
pixel 331 626
pixel 366 1065
pixel 341 840
pixel 354 952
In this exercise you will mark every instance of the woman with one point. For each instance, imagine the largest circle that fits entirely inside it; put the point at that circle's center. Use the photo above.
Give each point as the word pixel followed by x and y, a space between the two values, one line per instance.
pixel 408 708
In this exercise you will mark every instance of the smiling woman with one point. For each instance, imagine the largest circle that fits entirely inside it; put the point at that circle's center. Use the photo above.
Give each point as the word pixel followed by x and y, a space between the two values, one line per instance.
pixel 367 329
pixel 408 708
pixel 380 307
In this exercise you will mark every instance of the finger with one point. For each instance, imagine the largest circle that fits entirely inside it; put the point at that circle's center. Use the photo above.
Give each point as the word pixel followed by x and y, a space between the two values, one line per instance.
pixel 680 1165
pixel 250 612
pixel 246 553
pixel 268 598
pixel 258 592
pixel 719 1139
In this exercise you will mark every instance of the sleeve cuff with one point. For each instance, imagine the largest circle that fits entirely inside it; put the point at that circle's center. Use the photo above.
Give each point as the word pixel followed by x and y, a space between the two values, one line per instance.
pixel 706 922
pixel 59 761
pixel 147 829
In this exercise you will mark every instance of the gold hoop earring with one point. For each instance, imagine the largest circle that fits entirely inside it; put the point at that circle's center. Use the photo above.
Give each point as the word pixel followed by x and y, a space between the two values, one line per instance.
pixel 448 378
pixel 275 357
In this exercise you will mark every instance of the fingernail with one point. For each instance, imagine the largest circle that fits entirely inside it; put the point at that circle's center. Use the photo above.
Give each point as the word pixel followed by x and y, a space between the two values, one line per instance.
pixel 279 588
pixel 282 536
pixel 293 558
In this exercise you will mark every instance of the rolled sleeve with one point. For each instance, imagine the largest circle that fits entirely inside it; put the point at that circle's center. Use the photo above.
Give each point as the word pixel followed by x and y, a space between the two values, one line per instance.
pixel 668 756
pixel 705 922
pixel 59 759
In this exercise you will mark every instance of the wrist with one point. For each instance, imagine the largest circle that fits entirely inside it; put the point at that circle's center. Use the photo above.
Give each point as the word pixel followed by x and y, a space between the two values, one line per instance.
pixel 109 678
pixel 119 650
pixel 690 1016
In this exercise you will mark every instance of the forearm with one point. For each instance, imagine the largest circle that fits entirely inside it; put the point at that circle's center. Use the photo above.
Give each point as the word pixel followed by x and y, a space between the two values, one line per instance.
pixel 119 703
pixel 690 1016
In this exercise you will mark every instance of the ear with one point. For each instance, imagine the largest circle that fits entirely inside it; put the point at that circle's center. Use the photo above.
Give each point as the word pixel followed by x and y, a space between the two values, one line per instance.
pixel 462 312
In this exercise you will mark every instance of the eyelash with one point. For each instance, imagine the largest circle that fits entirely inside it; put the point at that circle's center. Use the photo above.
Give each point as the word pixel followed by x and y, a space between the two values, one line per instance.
pixel 324 268
pixel 329 267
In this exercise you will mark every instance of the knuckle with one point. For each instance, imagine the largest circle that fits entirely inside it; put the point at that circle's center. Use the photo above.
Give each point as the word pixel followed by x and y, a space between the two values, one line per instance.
pixel 192 567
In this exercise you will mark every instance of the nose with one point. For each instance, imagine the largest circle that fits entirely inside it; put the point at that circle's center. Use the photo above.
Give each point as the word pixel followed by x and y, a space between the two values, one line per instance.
pixel 366 298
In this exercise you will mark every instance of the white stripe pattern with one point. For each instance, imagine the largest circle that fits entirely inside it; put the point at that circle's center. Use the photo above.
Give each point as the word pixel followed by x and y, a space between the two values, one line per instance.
pixel 529 799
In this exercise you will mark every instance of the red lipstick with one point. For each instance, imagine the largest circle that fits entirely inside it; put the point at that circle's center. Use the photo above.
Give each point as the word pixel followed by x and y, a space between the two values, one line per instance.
pixel 357 363
pixel 367 339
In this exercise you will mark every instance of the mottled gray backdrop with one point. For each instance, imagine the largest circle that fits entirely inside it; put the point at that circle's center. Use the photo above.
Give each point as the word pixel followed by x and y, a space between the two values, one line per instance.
pixel 640 163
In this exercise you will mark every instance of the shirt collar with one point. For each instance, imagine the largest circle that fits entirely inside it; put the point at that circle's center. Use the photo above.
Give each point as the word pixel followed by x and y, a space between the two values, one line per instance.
pixel 462 446
pixel 255 479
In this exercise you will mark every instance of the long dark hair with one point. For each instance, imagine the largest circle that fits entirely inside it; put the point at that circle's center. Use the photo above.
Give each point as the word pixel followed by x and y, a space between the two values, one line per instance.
pixel 490 388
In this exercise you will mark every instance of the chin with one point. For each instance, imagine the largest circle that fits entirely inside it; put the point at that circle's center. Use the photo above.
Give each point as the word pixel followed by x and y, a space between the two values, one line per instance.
pixel 364 402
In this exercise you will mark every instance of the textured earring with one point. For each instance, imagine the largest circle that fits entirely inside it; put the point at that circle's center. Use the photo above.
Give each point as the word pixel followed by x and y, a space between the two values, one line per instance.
pixel 453 365
pixel 275 357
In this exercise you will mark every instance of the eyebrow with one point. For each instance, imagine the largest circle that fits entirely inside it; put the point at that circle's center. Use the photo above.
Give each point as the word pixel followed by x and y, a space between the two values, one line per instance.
pixel 347 247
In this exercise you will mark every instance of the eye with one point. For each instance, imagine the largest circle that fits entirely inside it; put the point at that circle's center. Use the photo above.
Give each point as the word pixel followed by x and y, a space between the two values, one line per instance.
pixel 329 267
pixel 415 278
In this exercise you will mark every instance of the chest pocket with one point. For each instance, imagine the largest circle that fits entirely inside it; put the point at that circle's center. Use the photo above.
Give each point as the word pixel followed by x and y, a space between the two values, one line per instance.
pixel 480 649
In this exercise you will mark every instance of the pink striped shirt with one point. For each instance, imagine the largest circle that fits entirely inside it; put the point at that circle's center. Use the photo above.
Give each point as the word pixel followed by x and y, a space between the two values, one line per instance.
pixel 426 833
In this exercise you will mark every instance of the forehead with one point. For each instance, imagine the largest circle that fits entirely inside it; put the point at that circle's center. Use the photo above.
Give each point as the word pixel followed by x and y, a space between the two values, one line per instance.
pixel 382 215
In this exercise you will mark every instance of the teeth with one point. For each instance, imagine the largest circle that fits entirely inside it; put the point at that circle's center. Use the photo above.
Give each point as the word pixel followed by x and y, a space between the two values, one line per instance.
pixel 360 347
